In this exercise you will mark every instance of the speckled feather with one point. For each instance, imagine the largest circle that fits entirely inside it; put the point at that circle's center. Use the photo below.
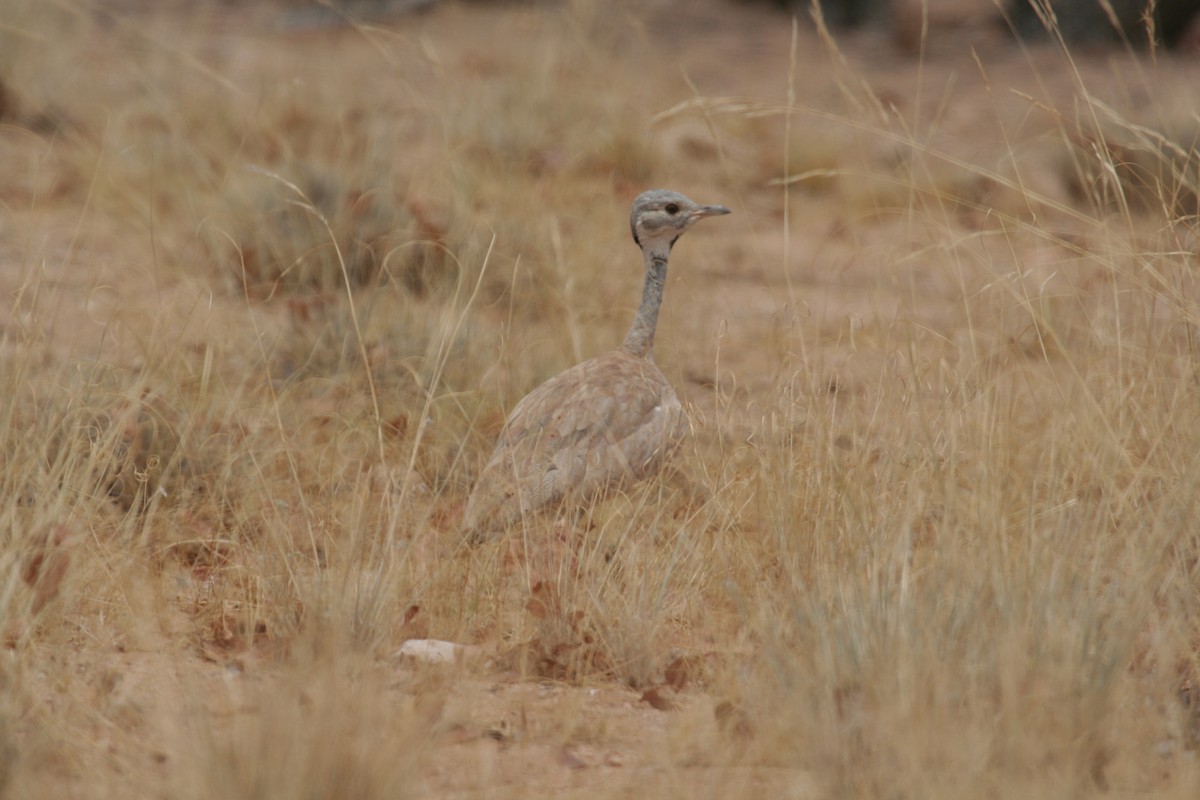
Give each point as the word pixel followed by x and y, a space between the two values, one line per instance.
pixel 608 421
pixel 603 422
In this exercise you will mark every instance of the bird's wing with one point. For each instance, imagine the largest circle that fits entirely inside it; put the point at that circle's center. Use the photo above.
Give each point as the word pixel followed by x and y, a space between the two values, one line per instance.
pixel 601 421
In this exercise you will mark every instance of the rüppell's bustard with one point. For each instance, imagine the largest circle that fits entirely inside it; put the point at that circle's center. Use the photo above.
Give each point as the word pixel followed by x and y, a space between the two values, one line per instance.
pixel 607 421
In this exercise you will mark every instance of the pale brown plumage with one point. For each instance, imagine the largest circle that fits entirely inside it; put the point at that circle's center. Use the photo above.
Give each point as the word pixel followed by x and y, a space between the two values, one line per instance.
pixel 604 422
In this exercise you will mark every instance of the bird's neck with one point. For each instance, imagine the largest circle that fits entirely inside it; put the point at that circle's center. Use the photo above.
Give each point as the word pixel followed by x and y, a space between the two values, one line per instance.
pixel 640 339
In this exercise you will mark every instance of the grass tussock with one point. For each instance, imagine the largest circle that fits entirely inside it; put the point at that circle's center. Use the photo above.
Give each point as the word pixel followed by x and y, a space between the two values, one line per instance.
pixel 933 534
pixel 1147 165
pixel 317 235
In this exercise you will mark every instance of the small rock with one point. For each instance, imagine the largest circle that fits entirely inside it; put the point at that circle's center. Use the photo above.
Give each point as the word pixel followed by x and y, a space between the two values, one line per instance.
pixel 436 651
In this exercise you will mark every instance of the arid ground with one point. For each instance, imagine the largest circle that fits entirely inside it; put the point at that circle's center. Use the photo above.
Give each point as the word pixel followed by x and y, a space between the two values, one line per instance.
pixel 272 280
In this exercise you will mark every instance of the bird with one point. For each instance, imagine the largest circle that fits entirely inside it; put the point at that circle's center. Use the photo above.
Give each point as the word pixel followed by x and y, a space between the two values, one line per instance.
pixel 605 422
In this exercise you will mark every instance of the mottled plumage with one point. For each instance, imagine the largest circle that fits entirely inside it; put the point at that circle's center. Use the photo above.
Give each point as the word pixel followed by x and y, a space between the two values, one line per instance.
pixel 604 422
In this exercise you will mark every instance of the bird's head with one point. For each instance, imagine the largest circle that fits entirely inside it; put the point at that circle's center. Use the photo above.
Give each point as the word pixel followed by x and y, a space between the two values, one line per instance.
pixel 660 216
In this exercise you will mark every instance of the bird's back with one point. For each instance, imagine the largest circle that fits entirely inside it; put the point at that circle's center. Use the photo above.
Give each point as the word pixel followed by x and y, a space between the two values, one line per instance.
pixel 610 419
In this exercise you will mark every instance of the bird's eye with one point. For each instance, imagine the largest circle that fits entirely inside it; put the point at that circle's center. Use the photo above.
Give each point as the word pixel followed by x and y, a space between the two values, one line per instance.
pixel 672 209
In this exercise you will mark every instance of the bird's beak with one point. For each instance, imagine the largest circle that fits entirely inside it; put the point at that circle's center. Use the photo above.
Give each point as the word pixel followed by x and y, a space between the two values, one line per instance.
pixel 709 211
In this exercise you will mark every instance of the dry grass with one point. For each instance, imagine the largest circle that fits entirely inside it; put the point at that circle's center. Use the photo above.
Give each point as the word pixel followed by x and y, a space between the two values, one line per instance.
pixel 269 295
